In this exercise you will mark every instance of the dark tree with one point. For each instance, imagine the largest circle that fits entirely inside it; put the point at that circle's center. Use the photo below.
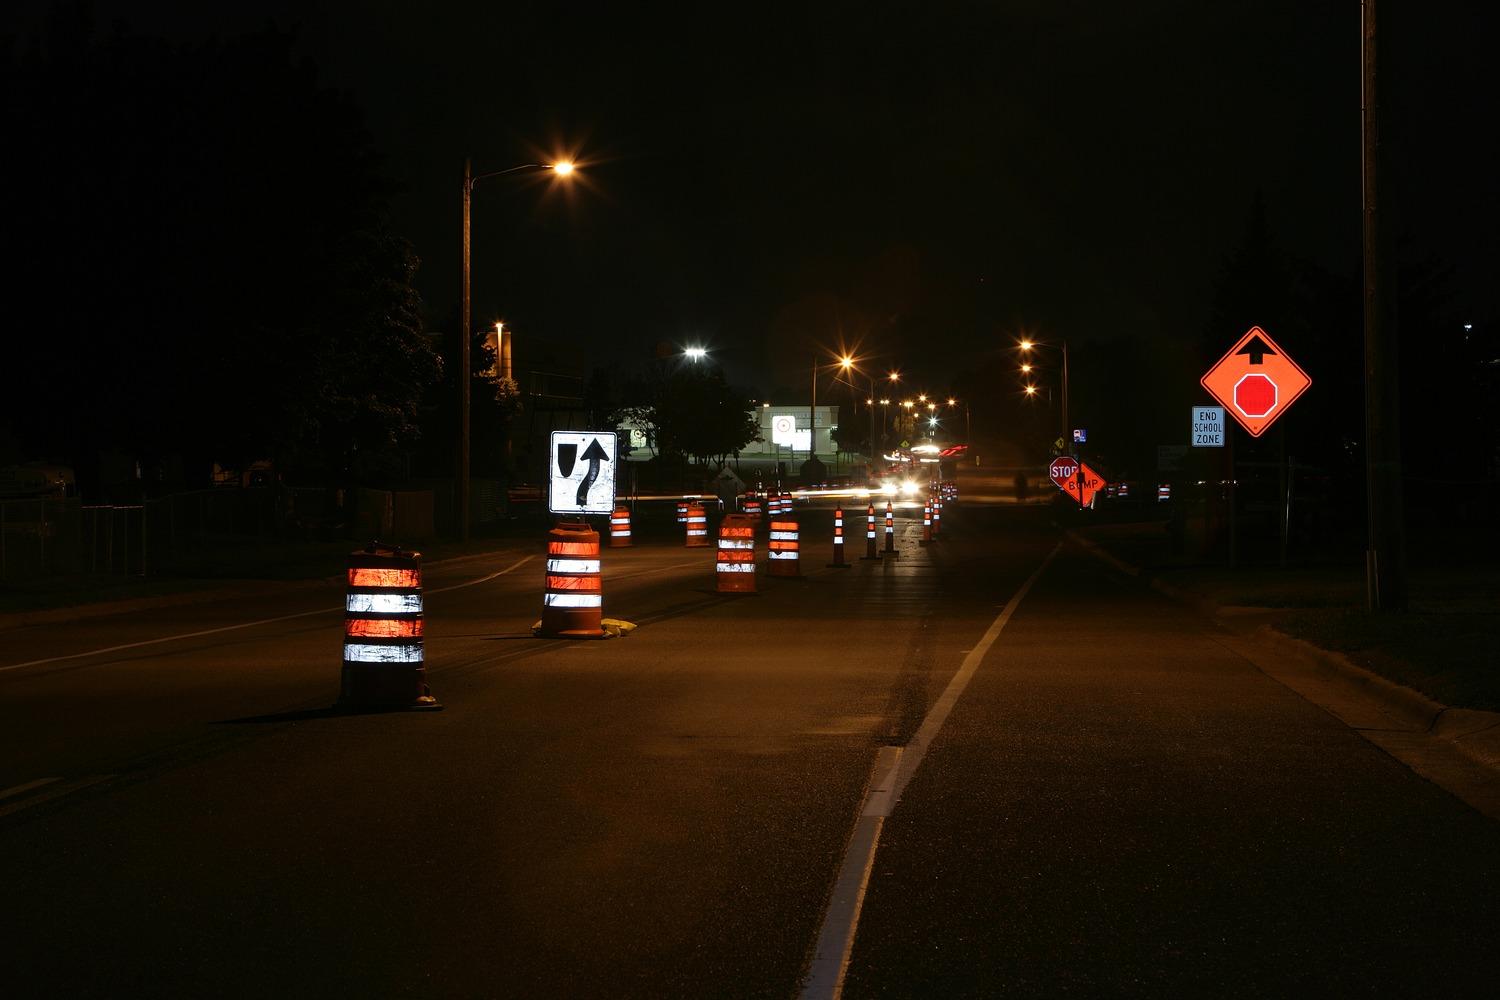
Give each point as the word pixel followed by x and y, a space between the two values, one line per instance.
pixel 195 260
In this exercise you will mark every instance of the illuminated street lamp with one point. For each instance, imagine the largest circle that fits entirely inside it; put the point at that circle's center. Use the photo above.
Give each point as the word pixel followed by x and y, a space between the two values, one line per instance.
pixel 696 353
pixel 562 168
pixel 968 427
pixel 1027 345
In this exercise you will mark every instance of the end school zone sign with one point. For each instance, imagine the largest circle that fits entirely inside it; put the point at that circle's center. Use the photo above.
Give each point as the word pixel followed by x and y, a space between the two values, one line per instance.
pixel 1208 427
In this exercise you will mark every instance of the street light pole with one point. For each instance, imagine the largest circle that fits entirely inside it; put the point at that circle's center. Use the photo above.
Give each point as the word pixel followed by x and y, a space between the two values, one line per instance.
pixel 463 368
pixel 562 168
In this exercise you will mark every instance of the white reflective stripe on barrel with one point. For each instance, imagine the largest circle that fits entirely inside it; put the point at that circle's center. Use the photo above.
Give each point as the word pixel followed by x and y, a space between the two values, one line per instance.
pixel 783 555
pixel 572 600
pixel 360 652
pixel 736 543
pixel 620 534
pixel 783 536
pixel 728 567
pixel 383 604
pixel 572 565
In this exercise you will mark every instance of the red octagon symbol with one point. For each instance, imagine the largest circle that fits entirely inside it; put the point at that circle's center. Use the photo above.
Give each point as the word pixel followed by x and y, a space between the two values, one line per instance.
pixel 1255 395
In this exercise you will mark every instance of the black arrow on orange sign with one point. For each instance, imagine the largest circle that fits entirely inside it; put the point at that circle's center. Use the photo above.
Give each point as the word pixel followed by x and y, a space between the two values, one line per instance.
pixel 1257 349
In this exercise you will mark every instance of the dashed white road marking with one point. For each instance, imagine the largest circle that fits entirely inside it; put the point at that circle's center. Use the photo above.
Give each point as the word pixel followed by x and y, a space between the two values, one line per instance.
pixel 893 770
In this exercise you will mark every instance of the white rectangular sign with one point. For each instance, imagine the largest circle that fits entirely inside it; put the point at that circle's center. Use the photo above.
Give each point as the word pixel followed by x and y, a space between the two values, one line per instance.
pixel 582 472
pixel 1208 427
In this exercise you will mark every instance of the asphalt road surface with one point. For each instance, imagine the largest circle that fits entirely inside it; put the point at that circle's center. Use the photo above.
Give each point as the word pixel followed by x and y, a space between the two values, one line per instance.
pixel 1114 803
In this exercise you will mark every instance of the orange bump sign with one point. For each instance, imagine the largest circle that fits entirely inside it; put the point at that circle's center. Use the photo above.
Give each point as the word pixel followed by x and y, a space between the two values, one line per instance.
pixel 1256 381
pixel 1076 479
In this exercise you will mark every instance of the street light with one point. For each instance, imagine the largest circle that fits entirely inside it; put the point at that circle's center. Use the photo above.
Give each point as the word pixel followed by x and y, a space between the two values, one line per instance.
pixel 696 353
pixel 562 168
pixel 1027 345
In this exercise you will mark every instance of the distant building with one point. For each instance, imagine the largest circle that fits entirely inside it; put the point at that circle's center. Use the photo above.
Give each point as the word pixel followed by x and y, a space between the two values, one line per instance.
pixel 787 439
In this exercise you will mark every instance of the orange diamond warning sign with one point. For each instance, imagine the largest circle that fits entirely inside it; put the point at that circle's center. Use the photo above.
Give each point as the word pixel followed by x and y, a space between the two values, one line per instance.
pixel 1256 381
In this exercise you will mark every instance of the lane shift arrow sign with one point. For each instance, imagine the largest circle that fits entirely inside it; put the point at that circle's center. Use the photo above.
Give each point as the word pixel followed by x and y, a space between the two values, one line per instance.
pixel 594 454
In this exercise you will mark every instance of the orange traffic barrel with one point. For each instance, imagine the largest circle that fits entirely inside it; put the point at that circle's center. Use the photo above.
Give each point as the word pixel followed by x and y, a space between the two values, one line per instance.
pixel 697 526
pixel 870 550
pixel 838 540
pixel 383 663
pixel 784 547
pixel 890 528
pixel 573 602
pixel 619 528
pixel 752 507
pixel 735 564
pixel 1164 492
pixel 773 505
pixel 682 506
pixel 927 521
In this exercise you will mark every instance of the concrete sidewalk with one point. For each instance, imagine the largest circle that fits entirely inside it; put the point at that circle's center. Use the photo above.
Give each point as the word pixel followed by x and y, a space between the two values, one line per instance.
pixel 1456 748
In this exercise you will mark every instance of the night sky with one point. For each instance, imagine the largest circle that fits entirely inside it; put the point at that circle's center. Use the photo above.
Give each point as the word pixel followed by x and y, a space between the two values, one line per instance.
pixel 927 180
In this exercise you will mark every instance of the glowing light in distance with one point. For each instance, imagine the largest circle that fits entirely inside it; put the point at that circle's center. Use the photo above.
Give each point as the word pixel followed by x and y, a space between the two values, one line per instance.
pixel 1025 369
pixel 696 353
pixel 846 362
pixel 1026 345
pixel 952 401
pixel 562 168
pixel 922 397
pixel 909 488
pixel 1031 390
pixel 895 376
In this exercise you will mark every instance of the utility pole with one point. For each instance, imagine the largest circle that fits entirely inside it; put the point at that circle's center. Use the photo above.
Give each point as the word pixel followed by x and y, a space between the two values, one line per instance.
pixel 463 369
pixel 812 416
pixel 1385 555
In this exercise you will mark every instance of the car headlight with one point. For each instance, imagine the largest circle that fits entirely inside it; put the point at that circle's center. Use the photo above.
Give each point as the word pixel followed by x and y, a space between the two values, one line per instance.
pixel 889 489
pixel 909 488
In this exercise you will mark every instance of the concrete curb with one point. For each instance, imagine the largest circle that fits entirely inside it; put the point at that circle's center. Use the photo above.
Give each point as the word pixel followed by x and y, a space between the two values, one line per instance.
pixel 1474 733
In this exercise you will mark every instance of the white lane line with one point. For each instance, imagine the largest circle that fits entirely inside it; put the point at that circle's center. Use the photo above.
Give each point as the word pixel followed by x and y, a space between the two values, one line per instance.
pixel 231 628
pixel 52 792
pixel 889 778
pixel 18 789
pixel 659 569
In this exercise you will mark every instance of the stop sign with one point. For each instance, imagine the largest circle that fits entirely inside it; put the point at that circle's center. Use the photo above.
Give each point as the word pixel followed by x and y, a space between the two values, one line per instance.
pixel 1061 470
pixel 1255 395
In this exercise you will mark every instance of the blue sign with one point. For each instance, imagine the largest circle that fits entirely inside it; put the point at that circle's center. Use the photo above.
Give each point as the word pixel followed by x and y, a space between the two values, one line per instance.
pixel 1080 435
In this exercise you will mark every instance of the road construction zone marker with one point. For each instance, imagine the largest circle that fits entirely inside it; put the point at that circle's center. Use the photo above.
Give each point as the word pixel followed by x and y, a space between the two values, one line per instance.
pixel 937 517
pixel 752 507
pixel 870 549
pixel 773 505
pixel 890 531
pixel 1164 492
pixel 785 547
pixel 383 659
pixel 573 601
pixel 682 507
pixel 926 522
pixel 735 563
pixel 619 528
pixel 838 540
pixel 697 527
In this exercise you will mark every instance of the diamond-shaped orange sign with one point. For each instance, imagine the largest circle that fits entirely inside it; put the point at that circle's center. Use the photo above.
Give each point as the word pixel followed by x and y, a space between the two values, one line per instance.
pixel 1256 381
pixel 1075 479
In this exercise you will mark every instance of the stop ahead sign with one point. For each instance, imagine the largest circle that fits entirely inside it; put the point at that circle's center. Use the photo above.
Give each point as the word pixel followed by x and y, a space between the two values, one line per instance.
pixel 1075 479
pixel 1256 381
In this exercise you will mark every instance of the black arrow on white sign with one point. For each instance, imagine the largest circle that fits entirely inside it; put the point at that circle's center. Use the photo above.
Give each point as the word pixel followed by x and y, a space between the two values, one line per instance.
pixel 594 455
